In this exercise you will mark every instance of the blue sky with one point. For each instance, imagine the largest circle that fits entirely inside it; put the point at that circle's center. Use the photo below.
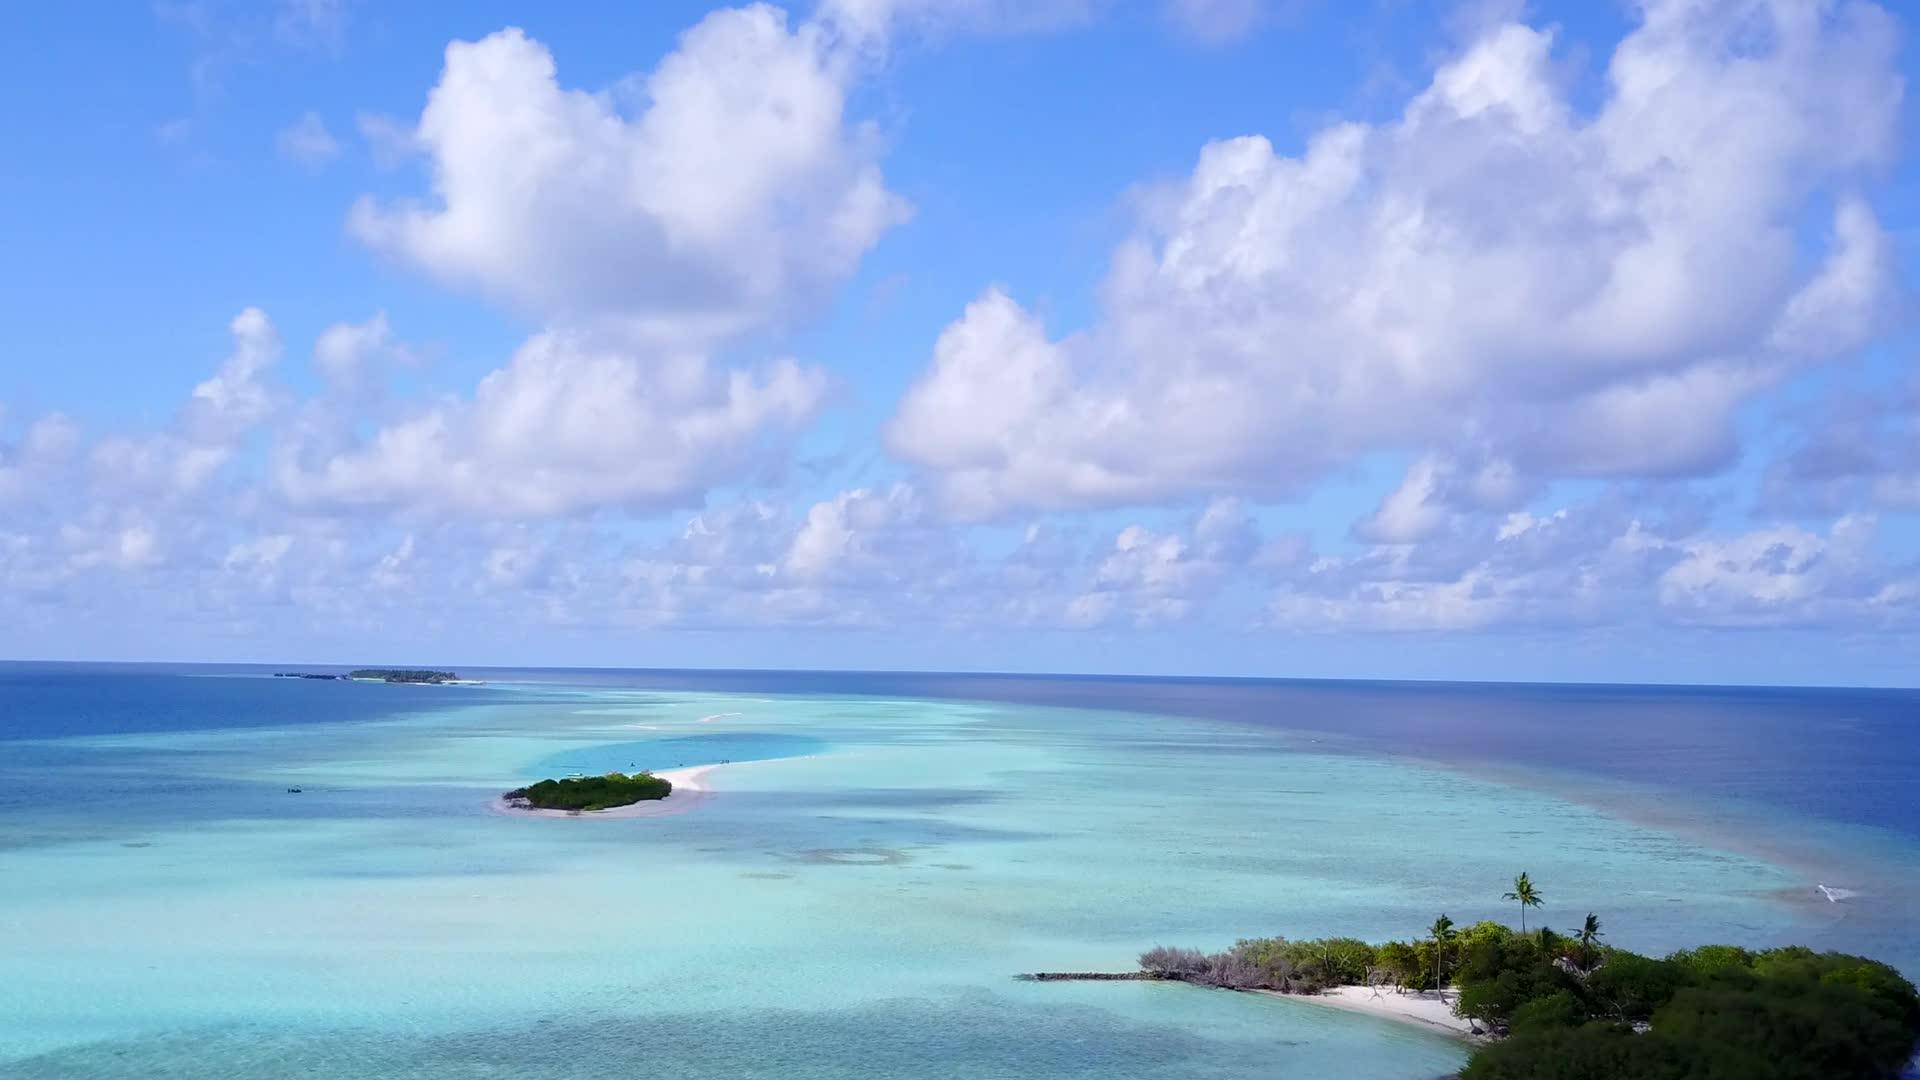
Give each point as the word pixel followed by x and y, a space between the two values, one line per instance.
pixel 1479 340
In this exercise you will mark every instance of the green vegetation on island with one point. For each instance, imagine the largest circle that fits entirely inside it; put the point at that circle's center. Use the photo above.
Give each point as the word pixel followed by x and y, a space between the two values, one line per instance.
pixel 590 792
pixel 403 675
pixel 1572 1007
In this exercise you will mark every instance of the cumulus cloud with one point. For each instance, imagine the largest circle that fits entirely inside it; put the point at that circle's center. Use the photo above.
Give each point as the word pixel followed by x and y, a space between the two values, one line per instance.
pixel 575 422
pixel 28 463
pixel 237 397
pixel 704 198
pixel 1601 564
pixel 219 414
pixel 1496 286
pixel 1519 571
pixel 650 225
pixel 1492 275
pixel 879 558
pixel 870 537
pixel 348 355
pixel 1149 577
pixel 104 490
pixel 116 545
pixel 1773 575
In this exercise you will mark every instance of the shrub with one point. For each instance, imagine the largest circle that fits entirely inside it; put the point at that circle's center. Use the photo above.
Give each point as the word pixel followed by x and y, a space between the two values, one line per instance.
pixel 1628 987
pixel 1560 1009
pixel 1173 963
pixel 1400 961
pixel 1485 930
pixel 1713 959
pixel 1496 1001
pixel 1882 984
pixel 1801 1031
pixel 1593 1052
pixel 1309 965
pixel 1714 1012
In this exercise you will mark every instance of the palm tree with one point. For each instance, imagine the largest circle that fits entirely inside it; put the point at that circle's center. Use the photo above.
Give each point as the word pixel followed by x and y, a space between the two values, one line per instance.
pixel 1587 935
pixel 1443 932
pixel 1526 894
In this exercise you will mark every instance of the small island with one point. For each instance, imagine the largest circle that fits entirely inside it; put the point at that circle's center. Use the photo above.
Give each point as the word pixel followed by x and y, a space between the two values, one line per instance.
pixel 390 675
pixel 590 793
pixel 1541 1005
pixel 403 675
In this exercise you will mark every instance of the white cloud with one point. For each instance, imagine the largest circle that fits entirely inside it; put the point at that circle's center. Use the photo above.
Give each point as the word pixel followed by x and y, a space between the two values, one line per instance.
pixel 700 200
pixel 1153 577
pixel 857 534
pixel 1599 565
pixel 1412 510
pixel 221 412
pixel 307 141
pixel 576 422
pixel 348 353
pixel 30 465
pixel 128 543
pixel 650 225
pixel 236 398
pixel 1847 301
pixel 1491 276
pixel 1494 286
pixel 1770 576
pixel 258 561
pixel 1435 491
pixel 395 570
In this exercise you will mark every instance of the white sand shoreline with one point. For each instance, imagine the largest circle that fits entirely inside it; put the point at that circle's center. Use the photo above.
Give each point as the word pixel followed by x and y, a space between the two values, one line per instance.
pixel 690 789
pixel 1423 1009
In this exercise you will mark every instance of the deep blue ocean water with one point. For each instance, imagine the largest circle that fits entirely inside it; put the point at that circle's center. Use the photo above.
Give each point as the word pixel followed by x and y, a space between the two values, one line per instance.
pixel 44 701
pixel 1842 754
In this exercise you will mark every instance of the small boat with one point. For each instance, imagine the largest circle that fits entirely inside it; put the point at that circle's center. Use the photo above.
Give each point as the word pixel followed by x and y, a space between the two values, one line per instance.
pixel 293 791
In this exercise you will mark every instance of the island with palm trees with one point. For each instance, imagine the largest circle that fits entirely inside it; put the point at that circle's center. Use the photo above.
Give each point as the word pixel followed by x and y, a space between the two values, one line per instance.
pixel 1542 1004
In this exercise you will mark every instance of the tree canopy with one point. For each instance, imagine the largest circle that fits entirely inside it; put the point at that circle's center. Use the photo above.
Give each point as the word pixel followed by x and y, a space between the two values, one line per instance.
pixel 592 792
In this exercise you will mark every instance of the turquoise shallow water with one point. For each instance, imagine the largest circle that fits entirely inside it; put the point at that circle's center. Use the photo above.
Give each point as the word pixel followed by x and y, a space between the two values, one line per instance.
pixel 852 903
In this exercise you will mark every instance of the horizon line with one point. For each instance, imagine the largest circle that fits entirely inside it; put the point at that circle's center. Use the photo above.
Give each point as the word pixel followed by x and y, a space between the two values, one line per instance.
pixel 980 673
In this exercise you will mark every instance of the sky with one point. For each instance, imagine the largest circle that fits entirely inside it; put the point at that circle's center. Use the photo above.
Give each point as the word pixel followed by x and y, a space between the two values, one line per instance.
pixel 1386 339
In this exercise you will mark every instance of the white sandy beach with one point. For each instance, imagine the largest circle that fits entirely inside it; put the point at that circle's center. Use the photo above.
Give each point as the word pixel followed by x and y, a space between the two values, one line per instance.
pixel 690 789
pixel 1424 1008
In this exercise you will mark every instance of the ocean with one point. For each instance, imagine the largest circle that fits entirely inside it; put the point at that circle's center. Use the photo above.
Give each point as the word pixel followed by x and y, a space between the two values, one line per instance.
pixel 883 854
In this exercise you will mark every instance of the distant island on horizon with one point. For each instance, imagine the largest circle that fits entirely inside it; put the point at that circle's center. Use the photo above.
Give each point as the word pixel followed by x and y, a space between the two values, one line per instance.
pixel 392 675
